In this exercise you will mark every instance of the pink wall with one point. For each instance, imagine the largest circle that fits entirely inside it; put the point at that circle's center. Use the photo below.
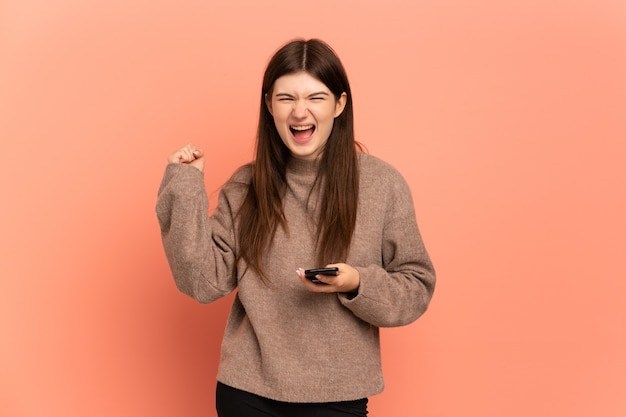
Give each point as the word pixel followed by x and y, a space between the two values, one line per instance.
pixel 506 117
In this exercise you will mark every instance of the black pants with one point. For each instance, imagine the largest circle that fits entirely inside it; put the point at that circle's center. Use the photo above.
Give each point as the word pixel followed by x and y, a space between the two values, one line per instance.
pixel 232 402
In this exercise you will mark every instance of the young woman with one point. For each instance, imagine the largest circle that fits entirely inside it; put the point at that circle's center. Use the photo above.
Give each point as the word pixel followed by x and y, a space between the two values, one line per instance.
pixel 297 345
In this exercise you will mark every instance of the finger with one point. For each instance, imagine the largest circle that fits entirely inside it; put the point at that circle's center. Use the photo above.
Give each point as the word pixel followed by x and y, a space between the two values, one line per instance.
pixel 310 285
pixel 177 156
pixel 319 286
pixel 325 279
pixel 332 278
pixel 323 288
pixel 188 153
pixel 184 155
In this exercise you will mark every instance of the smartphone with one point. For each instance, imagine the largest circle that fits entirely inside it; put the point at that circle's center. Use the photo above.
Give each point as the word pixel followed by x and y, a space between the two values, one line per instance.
pixel 313 273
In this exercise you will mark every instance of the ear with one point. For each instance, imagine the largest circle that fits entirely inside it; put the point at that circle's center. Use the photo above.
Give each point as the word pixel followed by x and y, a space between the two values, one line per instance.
pixel 341 104
pixel 268 103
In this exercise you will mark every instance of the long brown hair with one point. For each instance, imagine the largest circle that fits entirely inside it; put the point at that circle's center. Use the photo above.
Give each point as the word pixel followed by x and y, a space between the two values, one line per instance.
pixel 338 176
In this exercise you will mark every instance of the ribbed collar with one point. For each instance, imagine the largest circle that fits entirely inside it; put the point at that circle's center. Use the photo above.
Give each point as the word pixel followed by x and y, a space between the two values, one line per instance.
pixel 303 167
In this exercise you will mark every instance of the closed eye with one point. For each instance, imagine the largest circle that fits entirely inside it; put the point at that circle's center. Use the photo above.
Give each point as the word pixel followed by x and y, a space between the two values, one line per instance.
pixel 284 97
pixel 318 96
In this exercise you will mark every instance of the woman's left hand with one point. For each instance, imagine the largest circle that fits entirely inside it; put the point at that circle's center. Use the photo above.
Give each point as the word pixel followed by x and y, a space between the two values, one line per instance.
pixel 347 280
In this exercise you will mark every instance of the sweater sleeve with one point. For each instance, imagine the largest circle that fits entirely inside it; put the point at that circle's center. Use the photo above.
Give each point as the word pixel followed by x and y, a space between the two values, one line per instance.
pixel 199 248
pixel 397 292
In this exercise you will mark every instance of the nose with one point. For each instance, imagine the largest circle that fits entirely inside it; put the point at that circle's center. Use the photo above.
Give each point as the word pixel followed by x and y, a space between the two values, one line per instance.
pixel 300 109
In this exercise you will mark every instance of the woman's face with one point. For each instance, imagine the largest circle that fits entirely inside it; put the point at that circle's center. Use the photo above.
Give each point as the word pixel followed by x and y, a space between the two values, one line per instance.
pixel 304 112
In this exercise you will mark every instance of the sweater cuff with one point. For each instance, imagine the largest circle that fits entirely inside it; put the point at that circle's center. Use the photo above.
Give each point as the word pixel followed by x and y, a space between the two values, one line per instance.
pixel 184 170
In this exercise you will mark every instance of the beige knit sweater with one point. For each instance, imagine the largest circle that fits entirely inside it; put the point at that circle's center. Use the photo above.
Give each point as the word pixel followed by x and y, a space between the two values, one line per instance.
pixel 284 342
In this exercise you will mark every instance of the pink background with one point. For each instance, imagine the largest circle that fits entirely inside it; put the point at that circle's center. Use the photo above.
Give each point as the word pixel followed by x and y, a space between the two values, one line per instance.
pixel 506 117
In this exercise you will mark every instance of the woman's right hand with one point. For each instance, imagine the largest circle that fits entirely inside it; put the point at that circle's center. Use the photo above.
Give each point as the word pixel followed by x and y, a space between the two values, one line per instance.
pixel 188 155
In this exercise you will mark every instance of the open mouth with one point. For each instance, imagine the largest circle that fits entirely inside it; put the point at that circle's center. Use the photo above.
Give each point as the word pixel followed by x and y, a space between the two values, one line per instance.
pixel 302 133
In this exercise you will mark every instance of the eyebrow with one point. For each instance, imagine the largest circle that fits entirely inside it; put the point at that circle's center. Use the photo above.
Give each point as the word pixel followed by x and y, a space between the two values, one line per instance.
pixel 319 93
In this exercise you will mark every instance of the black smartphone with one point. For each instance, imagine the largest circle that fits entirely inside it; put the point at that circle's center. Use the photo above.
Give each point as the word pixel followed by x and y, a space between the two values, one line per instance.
pixel 313 273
